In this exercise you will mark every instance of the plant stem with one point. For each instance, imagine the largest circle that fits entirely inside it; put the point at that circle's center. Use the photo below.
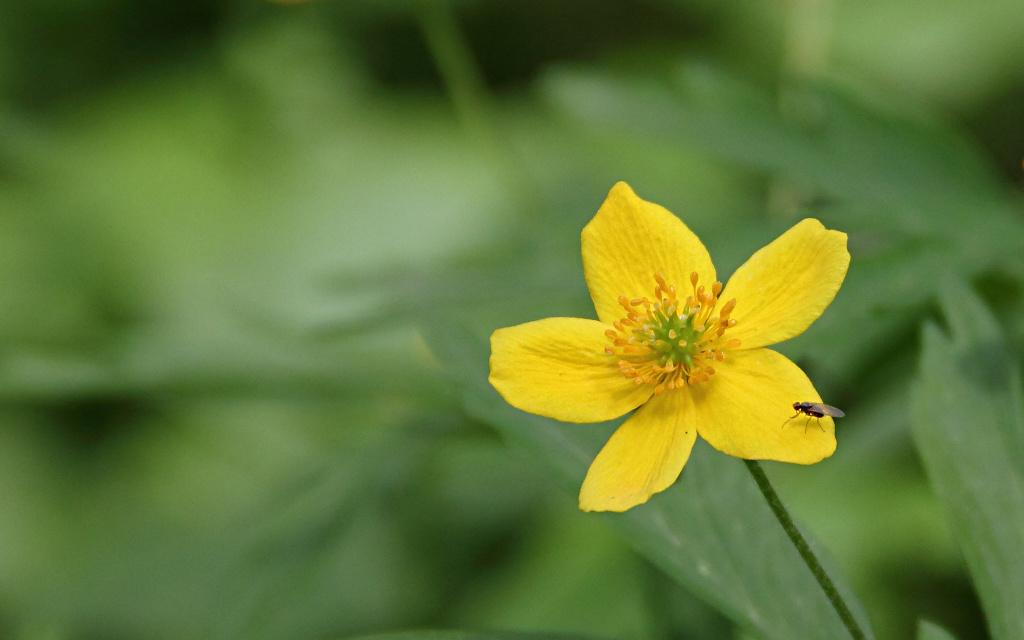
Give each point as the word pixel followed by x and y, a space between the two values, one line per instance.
pixel 805 550
pixel 472 101
pixel 458 69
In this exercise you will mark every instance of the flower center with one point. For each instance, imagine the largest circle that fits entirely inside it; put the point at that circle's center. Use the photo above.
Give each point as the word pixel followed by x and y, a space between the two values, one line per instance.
pixel 669 342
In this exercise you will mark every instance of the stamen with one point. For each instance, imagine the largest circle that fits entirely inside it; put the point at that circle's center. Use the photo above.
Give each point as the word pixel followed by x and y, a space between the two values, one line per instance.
pixel 727 309
pixel 667 342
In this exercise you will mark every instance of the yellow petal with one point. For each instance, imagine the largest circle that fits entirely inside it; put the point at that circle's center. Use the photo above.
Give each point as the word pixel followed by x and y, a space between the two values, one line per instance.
pixel 628 241
pixel 557 368
pixel 744 410
pixel 786 285
pixel 644 456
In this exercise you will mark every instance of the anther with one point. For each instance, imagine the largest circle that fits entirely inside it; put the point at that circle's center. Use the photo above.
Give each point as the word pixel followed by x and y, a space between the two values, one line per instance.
pixel 664 341
pixel 732 344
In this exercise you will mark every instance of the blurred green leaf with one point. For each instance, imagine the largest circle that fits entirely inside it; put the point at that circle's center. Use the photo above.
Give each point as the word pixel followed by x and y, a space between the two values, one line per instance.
pixel 469 635
pixel 843 145
pixel 558 585
pixel 949 51
pixel 930 631
pixel 712 531
pixel 969 429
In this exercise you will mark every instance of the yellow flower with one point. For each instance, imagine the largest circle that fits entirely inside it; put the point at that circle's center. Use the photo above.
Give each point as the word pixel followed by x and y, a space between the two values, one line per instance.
pixel 675 343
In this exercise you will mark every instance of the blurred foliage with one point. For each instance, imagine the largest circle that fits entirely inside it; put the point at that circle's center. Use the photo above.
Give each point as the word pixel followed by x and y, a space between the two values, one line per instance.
pixel 252 253
pixel 979 477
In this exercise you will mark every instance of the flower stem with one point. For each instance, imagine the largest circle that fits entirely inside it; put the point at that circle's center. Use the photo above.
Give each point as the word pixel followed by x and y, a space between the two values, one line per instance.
pixel 805 550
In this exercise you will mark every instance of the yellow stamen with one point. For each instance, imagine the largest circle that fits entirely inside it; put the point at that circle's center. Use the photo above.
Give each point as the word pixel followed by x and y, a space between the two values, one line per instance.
pixel 666 342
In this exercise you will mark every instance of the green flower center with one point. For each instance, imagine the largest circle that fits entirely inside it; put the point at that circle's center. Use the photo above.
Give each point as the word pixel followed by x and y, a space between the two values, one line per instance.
pixel 669 342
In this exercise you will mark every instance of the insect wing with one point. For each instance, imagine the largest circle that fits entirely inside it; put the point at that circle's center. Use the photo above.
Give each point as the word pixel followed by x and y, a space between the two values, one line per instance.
pixel 828 410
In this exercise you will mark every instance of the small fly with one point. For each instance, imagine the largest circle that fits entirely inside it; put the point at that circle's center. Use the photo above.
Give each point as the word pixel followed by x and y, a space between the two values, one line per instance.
pixel 816 410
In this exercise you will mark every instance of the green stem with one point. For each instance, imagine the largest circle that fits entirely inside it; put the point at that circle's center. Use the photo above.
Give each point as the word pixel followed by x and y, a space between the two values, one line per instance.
pixel 470 97
pixel 805 550
pixel 457 67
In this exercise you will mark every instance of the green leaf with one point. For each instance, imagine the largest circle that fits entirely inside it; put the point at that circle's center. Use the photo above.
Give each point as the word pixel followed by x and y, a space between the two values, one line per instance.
pixel 969 429
pixel 930 631
pixel 827 139
pixel 712 532
pixel 469 635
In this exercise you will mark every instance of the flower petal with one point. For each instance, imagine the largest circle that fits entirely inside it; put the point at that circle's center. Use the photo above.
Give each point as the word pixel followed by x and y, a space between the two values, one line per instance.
pixel 557 368
pixel 786 285
pixel 627 242
pixel 644 456
pixel 745 410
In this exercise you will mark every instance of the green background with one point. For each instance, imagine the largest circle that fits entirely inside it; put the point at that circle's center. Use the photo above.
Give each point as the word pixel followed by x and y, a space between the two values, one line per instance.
pixel 250 255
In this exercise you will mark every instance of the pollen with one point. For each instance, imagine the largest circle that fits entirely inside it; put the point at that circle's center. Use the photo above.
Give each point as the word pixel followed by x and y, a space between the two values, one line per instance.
pixel 668 342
